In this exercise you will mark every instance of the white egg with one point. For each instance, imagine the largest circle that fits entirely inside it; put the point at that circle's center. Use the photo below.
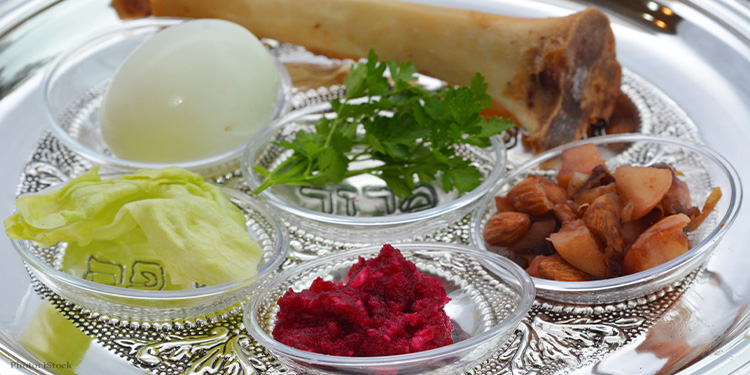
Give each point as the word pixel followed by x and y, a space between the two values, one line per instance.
pixel 195 90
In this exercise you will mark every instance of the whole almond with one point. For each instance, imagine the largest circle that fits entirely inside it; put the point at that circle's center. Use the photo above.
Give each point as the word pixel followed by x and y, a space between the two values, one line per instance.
pixel 505 228
pixel 502 204
pixel 556 268
pixel 536 195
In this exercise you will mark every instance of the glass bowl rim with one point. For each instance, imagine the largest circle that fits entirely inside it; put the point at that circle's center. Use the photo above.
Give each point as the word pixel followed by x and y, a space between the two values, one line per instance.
pixel 526 295
pixel 654 273
pixel 282 106
pixel 282 250
pixel 265 136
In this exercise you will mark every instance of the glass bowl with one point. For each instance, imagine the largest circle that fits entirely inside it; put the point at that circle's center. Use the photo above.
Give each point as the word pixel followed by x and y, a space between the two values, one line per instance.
pixel 112 293
pixel 702 169
pixel 74 86
pixel 489 297
pixel 362 209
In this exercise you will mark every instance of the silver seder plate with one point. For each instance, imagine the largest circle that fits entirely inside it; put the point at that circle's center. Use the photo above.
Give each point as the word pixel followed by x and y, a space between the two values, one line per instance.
pixel 663 332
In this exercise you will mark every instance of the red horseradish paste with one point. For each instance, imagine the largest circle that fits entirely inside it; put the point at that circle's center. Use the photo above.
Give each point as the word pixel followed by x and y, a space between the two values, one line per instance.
pixel 386 307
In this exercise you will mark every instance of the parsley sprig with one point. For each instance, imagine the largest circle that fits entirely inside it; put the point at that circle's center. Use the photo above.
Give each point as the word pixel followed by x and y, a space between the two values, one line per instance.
pixel 410 133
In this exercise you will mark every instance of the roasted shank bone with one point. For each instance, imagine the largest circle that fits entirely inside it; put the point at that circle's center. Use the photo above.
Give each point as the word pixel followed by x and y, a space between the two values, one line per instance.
pixel 555 76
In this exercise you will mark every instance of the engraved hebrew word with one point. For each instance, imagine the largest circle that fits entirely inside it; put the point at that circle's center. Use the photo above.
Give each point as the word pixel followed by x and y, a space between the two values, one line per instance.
pixel 373 200
pixel 139 274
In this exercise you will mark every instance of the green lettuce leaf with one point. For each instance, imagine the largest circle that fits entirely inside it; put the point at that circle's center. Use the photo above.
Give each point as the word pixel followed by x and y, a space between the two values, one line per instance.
pixel 188 224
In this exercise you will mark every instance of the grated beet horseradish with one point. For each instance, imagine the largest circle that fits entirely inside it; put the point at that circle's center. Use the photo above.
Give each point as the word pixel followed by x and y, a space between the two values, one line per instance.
pixel 386 307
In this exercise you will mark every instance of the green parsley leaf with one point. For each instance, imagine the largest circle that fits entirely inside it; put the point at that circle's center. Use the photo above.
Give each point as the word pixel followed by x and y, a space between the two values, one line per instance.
pixel 410 133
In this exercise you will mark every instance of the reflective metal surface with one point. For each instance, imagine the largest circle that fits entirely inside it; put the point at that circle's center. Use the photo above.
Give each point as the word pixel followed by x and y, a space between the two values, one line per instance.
pixel 700 60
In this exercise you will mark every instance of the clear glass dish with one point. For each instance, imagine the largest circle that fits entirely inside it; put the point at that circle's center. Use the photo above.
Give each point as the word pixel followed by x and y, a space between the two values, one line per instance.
pixel 119 300
pixel 703 170
pixel 489 297
pixel 74 86
pixel 362 209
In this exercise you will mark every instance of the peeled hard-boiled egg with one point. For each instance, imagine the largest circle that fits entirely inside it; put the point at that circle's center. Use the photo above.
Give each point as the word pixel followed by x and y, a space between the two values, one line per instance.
pixel 192 91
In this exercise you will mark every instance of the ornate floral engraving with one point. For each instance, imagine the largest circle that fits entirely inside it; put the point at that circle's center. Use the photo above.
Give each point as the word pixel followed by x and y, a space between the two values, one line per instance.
pixel 556 340
pixel 204 354
pixel 45 173
pixel 542 343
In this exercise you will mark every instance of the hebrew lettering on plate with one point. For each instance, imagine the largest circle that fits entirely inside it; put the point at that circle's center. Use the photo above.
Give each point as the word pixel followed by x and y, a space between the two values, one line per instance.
pixel 147 275
pixel 104 272
pixel 348 201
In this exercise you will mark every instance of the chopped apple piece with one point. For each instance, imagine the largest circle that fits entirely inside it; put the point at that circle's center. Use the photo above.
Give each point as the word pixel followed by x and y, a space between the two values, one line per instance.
pixel 642 188
pixel 579 247
pixel 580 159
pixel 659 244
pixel 598 184
pixel 576 183
pixel 588 196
